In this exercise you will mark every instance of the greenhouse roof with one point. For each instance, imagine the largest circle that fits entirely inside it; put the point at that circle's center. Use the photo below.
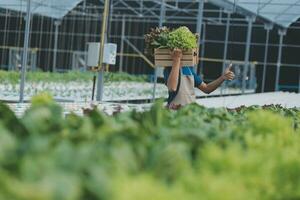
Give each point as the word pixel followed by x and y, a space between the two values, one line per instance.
pixel 280 12
pixel 50 8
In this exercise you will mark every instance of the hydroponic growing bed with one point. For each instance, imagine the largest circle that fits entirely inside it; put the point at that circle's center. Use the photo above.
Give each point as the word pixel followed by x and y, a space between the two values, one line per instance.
pixel 77 87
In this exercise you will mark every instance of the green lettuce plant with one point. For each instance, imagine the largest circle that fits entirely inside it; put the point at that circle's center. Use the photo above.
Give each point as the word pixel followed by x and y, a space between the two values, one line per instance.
pixel 163 37
pixel 182 38
pixel 193 153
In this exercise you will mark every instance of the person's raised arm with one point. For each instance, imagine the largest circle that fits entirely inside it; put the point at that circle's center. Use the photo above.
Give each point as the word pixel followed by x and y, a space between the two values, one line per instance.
pixel 174 74
pixel 208 88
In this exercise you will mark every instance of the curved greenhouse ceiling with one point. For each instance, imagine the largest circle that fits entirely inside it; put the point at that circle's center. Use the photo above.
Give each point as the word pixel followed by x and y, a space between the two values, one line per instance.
pixel 50 8
pixel 280 12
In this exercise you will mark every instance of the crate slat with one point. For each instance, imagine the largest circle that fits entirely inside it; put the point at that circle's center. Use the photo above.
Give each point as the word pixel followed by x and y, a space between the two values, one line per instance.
pixel 163 58
pixel 169 63
pixel 168 57
pixel 167 51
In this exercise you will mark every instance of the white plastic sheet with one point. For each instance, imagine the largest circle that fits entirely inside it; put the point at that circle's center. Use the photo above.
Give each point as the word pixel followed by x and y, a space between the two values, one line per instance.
pixel 56 9
pixel 280 12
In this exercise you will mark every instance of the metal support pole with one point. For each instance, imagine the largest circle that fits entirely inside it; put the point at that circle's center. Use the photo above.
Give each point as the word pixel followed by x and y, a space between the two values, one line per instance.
pixel 199 24
pixel 268 28
pixel 252 77
pixel 100 83
pixel 110 19
pixel 226 47
pixel 94 85
pixel 141 7
pixel 220 16
pixel 282 33
pixel 25 51
pixel 226 41
pixel 162 13
pixel 202 48
pixel 155 84
pixel 250 20
pixel 122 44
pixel 156 70
pixel 56 24
pixel 84 5
pixel 200 17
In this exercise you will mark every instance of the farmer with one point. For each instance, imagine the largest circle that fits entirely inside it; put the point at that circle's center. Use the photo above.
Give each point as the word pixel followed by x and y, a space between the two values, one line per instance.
pixel 182 80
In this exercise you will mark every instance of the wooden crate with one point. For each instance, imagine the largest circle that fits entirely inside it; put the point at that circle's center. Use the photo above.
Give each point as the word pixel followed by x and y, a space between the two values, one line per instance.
pixel 162 58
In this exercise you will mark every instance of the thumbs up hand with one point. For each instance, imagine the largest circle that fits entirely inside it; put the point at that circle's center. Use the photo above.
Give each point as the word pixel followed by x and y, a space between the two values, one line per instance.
pixel 228 74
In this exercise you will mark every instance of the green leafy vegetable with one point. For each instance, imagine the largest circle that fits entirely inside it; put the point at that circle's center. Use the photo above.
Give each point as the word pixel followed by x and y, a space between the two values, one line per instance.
pixel 194 153
pixel 13 77
pixel 181 38
pixel 157 38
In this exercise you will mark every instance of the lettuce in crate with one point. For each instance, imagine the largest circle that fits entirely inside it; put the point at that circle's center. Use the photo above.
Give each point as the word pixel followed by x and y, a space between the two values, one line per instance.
pixel 181 38
pixel 157 38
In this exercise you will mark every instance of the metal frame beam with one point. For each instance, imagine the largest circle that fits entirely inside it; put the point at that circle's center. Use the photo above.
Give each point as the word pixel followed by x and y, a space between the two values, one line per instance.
pixel 239 9
pixel 137 51
pixel 151 11
pixel 199 24
pixel 100 81
pixel 57 23
pixel 25 51
pixel 122 43
pixel 281 33
pixel 174 7
pixel 160 24
pixel 226 46
pixel 287 9
pixel 203 48
pixel 263 6
pixel 268 28
pixel 130 8
pixel 247 52
pixel 179 10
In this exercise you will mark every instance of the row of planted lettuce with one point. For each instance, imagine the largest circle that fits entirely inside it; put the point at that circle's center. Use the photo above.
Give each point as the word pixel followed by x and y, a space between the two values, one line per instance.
pixel 75 85
pixel 13 77
pixel 194 153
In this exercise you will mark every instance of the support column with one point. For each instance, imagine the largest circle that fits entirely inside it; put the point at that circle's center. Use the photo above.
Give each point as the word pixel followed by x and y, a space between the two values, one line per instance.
pixel 199 27
pixel 282 33
pixel 111 8
pixel 25 51
pixel 250 20
pixel 202 48
pixel 162 13
pixel 56 24
pixel 226 46
pixel 156 70
pixel 84 5
pixel 268 28
pixel 122 44
pixel 141 8
pixel 220 16
pixel 100 81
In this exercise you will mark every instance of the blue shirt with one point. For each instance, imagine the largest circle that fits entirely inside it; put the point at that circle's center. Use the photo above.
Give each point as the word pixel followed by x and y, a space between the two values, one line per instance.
pixel 188 71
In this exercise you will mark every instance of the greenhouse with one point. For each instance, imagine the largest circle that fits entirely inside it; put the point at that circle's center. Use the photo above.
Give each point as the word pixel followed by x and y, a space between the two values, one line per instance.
pixel 149 99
